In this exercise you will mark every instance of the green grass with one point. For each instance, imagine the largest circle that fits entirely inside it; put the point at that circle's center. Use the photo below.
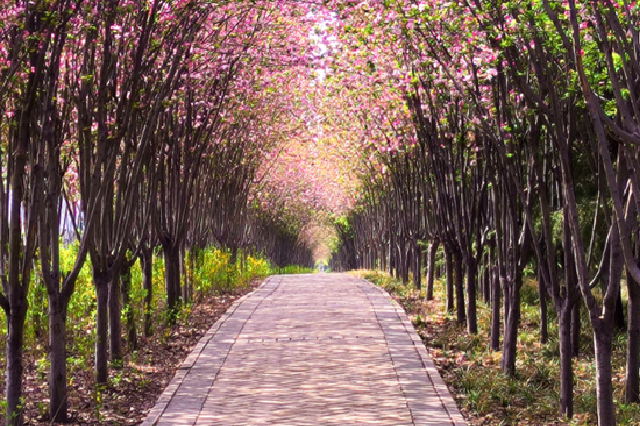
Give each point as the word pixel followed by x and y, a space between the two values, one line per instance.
pixel 292 269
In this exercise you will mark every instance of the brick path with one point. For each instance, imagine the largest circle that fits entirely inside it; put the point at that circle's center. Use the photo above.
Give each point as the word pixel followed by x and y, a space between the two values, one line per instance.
pixel 322 349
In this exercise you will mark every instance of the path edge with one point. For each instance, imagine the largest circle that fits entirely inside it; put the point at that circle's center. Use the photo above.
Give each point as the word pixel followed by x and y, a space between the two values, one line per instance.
pixel 163 400
pixel 432 372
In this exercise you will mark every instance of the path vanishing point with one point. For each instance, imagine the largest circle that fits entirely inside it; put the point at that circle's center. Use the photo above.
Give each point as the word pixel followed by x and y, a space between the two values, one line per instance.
pixel 321 349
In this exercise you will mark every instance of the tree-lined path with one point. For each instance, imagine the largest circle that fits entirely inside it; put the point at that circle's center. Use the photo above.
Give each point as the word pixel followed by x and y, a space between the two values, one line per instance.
pixel 309 350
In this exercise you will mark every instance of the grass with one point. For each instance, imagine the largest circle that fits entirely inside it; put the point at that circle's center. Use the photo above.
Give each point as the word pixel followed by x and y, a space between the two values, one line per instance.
pixel 293 269
pixel 472 371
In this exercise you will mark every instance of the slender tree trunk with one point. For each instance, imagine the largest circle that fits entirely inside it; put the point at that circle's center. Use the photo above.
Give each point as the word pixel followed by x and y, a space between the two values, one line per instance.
pixel 506 305
pixel 450 290
pixel 431 264
pixel 38 308
pixel 404 270
pixel 125 281
pixel 392 257
pixel 101 283
pixel 146 260
pixel 566 371
pixel 495 309
pixel 544 322
pixel 183 274
pixel 14 345
pixel 604 389
pixel 603 332
pixel 511 322
pixel 171 279
pixel 192 258
pixel 57 358
pixel 407 264
pixel 397 264
pixel 575 329
pixel 417 266
pixel 231 267
pixel 480 282
pixel 632 379
pixel 459 284
pixel 486 280
pixel 618 312
pixel 472 318
pixel 570 278
pixel 115 325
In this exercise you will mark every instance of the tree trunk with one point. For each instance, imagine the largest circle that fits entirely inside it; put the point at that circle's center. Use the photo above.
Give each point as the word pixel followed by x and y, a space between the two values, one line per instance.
pixel 403 263
pixel 495 310
pixel 618 312
pixel 125 282
pixel 632 379
pixel 146 260
pixel 407 264
pixel 604 390
pixel 397 265
pixel 171 279
pixel 37 308
pixel 101 283
pixel 231 267
pixel 511 322
pixel 450 291
pixel 192 262
pixel 14 345
pixel 486 282
pixel 459 284
pixel 472 318
pixel 544 322
pixel 417 266
pixel 57 359
pixel 183 274
pixel 575 329
pixel 431 264
pixel 115 325
pixel 566 352
pixel 570 279
pixel 392 256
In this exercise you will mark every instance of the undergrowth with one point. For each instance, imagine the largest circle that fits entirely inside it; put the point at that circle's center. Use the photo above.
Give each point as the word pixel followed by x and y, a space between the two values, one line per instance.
pixel 210 275
pixel 472 371
pixel 293 269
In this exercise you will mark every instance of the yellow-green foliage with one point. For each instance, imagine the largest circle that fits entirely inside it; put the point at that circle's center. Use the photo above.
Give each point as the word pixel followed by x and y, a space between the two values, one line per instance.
pixel 82 305
pixel 385 281
pixel 210 273
pixel 216 274
pixel 293 269
pixel 258 267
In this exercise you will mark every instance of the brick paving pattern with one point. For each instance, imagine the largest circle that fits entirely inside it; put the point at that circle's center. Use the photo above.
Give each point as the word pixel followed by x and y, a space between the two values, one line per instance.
pixel 321 349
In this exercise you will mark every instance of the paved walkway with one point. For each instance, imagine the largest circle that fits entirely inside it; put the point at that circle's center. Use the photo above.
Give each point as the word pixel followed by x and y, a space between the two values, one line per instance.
pixel 322 349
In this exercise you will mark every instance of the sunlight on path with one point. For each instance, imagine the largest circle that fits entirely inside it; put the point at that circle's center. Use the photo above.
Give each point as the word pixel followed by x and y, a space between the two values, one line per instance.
pixel 322 349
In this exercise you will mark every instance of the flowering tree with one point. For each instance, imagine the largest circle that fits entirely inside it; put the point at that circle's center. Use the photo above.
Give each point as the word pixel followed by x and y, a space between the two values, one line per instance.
pixel 496 91
pixel 378 127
